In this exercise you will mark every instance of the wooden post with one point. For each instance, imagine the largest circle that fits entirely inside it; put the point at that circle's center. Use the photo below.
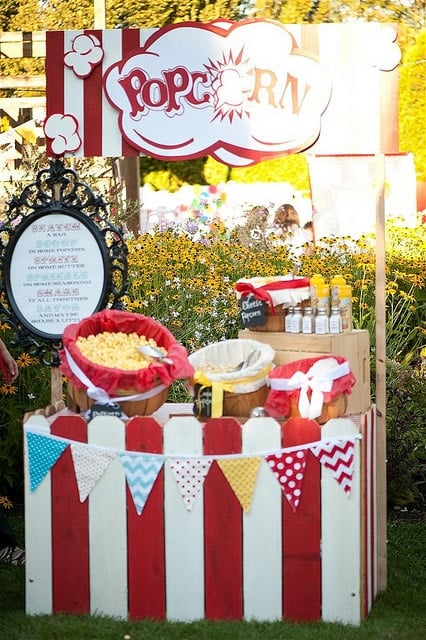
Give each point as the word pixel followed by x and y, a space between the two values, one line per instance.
pixel 99 11
pixel 131 176
pixel 381 374
pixel 55 385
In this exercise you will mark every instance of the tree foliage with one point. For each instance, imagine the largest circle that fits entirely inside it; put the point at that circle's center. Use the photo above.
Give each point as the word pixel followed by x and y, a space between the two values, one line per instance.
pixel 412 103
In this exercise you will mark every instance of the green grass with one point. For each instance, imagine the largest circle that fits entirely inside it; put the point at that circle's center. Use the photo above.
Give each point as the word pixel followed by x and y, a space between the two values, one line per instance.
pixel 399 613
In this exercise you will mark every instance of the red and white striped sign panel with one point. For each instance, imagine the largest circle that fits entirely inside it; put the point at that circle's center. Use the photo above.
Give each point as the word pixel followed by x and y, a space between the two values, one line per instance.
pixel 241 92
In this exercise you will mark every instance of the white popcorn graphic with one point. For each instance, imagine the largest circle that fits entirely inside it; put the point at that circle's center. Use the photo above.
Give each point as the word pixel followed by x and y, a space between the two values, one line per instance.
pixel 86 54
pixel 62 129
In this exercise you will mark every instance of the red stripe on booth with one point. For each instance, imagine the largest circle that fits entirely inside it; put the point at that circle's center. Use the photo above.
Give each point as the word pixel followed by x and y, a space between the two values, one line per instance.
pixel 301 532
pixel 93 106
pixel 146 562
pixel 70 527
pixel 222 527
pixel 54 77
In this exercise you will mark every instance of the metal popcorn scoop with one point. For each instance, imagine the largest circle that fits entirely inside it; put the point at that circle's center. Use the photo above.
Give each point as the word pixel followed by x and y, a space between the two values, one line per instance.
pixel 248 360
pixel 155 353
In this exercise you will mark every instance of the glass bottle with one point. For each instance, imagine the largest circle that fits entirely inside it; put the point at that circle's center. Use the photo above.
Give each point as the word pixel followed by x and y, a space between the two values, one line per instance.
pixel 316 282
pixel 296 324
pixel 335 320
pixel 336 284
pixel 288 320
pixel 346 307
pixel 308 321
pixel 321 321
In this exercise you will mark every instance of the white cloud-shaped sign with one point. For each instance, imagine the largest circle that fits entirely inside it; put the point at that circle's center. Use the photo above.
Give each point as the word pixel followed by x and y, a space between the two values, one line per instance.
pixel 62 129
pixel 86 53
pixel 239 92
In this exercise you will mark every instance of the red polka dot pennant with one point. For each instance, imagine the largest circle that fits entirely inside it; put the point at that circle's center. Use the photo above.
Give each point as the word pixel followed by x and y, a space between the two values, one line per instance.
pixel 289 469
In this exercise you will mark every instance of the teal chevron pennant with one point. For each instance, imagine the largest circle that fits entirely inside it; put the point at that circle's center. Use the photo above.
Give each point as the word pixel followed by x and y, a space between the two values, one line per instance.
pixel 43 452
pixel 141 473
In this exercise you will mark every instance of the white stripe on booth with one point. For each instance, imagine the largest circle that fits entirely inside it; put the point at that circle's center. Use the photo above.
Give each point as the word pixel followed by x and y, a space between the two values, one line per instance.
pixel 262 546
pixel 38 537
pixel 184 531
pixel 107 525
pixel 341 536
pixel 111 134
pixel 73 90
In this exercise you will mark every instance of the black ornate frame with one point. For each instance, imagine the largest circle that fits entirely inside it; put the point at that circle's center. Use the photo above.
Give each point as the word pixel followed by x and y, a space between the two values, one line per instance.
pixel 57 190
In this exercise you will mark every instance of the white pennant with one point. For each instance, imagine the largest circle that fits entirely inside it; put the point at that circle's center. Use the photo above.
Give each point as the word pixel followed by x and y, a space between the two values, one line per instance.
pixel 190 475
pixel 89 465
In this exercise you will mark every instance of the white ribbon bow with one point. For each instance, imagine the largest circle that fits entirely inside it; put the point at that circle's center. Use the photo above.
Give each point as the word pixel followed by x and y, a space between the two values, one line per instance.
pixel 319 384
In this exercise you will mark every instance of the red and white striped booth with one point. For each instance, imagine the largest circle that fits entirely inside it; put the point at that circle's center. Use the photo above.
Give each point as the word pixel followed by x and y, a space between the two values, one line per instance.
pixel 184 521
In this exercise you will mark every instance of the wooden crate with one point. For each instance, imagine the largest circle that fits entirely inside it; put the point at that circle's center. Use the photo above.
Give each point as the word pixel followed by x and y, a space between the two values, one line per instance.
pixel 354 346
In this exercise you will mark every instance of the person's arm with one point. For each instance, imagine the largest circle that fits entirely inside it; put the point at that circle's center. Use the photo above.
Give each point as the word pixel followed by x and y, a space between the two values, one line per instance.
pixel 8 365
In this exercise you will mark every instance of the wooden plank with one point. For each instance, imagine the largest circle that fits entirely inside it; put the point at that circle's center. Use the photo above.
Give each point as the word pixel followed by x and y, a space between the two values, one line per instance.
pixel 341 536
pixel 22 44
pixel 262 549
pixel 147 589
pixel 301 532
pixel 22 82
pixel 107 525
pixel 381 372
pixel 38 536
pixel 55 385
pixel 183 530
pixel 223 527
pixel 17 103
pixel 70 526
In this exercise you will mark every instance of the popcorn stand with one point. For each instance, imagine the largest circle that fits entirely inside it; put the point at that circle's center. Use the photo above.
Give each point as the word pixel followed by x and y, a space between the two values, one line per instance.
pixel 260 501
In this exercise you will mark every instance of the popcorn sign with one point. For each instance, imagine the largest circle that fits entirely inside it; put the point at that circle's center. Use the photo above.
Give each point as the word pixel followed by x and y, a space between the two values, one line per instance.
pixel 240 92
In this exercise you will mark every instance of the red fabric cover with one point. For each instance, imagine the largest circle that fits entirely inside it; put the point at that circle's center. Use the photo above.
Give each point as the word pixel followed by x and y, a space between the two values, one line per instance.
pixel 262 293
pixel 111 379
pixel 277 403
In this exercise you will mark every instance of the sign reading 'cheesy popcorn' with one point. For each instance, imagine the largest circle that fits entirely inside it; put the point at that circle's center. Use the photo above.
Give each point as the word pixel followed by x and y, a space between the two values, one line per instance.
pixel 241 92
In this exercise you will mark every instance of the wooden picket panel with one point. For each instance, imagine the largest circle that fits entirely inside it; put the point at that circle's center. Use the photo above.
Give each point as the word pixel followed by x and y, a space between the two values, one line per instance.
pixel 184 558
pixel 341 541
pixel 222 527
pixel 213 561
pixel 38 537
pixel 145 535
pixel 70 527
pixel 262 546
pixel 107 526
pixel 301 532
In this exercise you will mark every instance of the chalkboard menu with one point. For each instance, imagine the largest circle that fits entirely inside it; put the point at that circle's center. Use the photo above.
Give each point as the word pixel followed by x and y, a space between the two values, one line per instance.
pixel 252 312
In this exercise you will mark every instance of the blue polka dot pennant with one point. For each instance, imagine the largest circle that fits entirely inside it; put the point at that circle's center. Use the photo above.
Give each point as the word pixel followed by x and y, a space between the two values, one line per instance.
pixel 43 452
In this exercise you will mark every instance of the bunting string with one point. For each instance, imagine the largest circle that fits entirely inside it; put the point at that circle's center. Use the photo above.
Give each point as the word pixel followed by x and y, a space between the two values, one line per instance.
pixel 141 469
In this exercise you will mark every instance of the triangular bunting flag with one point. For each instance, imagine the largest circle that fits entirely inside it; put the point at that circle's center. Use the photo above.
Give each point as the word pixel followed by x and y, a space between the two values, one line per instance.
pixel 190 475
pixel 289 469
pixel 338 457
pixel 141 473
pixel 241 474
pixel 89 465
pixel 43 452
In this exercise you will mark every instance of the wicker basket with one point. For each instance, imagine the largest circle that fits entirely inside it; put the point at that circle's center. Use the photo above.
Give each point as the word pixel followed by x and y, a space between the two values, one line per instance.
pixel 241 404
pixel 334 409
pixel 129 407
pixel 274 319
